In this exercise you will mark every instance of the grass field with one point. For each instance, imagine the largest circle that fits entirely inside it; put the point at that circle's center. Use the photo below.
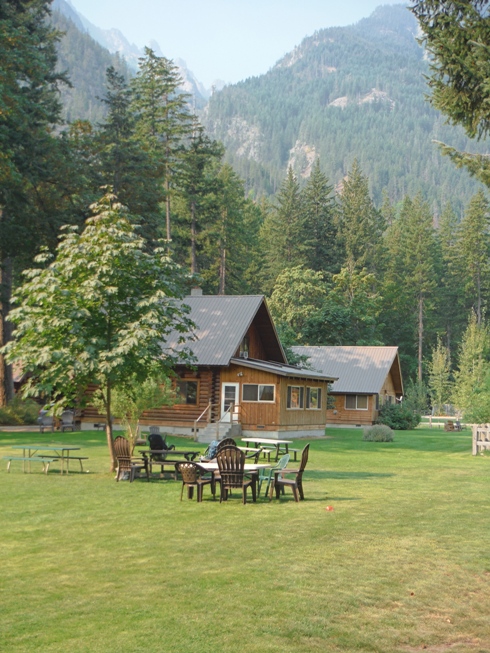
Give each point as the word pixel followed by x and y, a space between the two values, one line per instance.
pixel 401 564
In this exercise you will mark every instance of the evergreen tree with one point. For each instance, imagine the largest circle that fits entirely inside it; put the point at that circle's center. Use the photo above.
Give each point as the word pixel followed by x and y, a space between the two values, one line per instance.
pixel 30 153
pixel 410 280
pixel 125 165
pixel 283 232
pixel 456 36
pixel 318 207
pixel 163 121
pixel 361 225
pixel 450 293
pixel 474 244
pixel 473 365
pixel 198 191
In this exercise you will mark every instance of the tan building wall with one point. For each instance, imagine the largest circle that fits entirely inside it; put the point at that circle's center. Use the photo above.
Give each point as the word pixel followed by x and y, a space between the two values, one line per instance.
pixel 342 415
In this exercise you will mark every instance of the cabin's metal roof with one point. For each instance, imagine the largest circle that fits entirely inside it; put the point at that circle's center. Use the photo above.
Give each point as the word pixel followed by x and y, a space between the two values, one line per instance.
pixel 222 322
pixel 283 369
pixel 359 370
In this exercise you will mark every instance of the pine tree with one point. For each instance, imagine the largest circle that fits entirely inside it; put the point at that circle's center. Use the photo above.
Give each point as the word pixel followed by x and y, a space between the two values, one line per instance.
pixel 474 244
pixel 29 159
pixel 283 232
pixel 450 293
pixel 410 280
pixel 198 192
pixel 163 121
pixel 318 207
pixel 473 363
pixel 361 225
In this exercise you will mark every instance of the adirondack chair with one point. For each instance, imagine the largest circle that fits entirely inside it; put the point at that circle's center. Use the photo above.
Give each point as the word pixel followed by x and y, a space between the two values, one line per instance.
pixel 126 465
pixel 231 466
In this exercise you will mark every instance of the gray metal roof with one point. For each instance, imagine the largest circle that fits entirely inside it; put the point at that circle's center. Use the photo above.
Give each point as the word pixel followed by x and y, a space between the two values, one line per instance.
pixel 360 370
pixel 222 322
pixel 282 369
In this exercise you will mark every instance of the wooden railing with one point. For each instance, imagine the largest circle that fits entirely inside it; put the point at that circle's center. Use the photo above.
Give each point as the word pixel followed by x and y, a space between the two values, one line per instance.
pixel 233 414
pixel 207 411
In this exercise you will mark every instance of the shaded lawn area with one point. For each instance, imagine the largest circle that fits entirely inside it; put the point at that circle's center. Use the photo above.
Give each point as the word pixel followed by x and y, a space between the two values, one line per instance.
pixel 402 563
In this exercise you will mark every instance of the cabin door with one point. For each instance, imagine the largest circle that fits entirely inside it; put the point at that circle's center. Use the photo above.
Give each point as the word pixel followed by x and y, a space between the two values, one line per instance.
pixel 229 395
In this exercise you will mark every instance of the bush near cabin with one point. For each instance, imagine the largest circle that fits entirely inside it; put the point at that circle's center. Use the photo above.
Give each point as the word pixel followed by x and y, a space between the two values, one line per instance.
pixel 399 417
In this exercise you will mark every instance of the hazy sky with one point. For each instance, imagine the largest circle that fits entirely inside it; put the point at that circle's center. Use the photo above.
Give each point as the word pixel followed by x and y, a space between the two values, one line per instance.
pixel 223 39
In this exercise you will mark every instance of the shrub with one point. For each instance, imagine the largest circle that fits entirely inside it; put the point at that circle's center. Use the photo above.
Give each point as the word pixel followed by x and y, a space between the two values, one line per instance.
pixel 377 433
pixel 399 417
pixel 19 412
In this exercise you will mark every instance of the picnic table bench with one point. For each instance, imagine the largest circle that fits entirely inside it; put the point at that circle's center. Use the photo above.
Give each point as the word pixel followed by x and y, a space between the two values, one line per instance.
pixel 36 459
pixel 66 459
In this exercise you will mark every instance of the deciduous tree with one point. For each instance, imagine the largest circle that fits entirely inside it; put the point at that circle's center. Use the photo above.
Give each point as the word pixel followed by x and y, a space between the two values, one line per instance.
pixel 99 311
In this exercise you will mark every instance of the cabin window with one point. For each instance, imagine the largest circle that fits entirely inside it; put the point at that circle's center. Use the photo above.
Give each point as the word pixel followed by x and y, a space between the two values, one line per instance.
pixel 244 346
pixel 356 402
pixel 314 398
pixel 296 397
pixel 258 392
pixel 187 392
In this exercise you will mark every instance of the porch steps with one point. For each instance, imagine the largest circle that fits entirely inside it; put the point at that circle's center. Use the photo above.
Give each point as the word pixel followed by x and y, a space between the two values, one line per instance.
pixel 218 432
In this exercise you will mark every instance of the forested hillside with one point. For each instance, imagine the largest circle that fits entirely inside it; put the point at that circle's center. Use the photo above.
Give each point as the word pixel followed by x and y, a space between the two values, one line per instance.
pixel 86 63
pixel 344 93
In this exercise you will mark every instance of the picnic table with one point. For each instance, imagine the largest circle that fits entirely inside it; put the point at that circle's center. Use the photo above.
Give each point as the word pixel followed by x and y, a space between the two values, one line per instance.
pixel 272 446
pixel 168 457
pixel 57 452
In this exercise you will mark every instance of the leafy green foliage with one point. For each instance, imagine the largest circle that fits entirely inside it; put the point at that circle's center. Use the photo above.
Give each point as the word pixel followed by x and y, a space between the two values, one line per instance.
pixel 130 401
pixel 439 377
pixel 98 312
pixel 19 411
pixel 398 417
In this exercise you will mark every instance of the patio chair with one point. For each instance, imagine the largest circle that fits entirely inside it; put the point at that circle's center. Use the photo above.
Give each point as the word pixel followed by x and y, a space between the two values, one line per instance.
pixel 267 474
pixel 231 466
pixel 46 422
pixel 296 483
pixel 191 478
pixel 227 442
pixel 67 420
pixel 126 465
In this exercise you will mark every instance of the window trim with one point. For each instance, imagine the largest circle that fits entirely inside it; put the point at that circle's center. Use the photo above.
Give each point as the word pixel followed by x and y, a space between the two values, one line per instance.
pixel 357 407
pixel 319 399
pixel 258 400
pixel 180 395
pixel 301 389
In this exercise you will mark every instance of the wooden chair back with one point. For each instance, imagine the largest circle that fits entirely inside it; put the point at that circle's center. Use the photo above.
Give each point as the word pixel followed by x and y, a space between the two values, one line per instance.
pixel 122 451
pixel 231 465
pixel 227 442
pixel 304 458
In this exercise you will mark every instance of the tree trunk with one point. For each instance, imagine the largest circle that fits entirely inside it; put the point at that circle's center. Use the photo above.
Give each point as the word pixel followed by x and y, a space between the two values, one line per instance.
pixel 108 427
pixel 421 335
pixel 167 210
pixel 222 270
pixel 193 239
pixel 6 375
pixel 478 301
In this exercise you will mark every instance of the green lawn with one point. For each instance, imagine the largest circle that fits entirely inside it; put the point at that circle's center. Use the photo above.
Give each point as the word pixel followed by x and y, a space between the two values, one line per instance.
pixel 402 563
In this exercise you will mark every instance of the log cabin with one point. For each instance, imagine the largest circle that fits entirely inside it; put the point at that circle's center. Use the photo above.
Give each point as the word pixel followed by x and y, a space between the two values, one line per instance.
pixel 241 382
pixel 367 377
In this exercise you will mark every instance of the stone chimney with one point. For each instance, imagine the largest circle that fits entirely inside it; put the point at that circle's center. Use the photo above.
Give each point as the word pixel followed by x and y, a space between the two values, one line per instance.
pixel 196 292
